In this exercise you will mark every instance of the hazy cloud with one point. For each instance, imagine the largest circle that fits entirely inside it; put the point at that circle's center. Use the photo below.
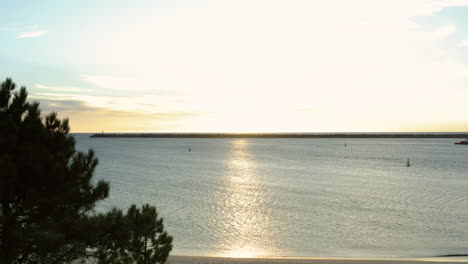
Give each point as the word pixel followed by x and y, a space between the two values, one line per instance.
pixel 13 27
pixel 66 107
pixel 8 28
pixel 117 83
pixel 32 34
pixel 48 105
pixel 464 43
pixel 61 89
pixel 145 104
pixel 445 31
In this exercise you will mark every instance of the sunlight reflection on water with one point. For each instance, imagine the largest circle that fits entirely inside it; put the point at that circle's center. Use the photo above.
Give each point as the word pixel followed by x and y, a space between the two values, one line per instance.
pixel 242 205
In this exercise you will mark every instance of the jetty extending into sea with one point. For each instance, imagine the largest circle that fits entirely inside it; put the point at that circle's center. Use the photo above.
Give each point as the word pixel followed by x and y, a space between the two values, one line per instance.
pixel 281 135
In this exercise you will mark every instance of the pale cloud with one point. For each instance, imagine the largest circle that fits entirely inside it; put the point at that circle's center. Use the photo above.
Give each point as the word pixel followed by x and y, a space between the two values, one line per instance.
pixel 88 118
pixel 117 83
pixel 14 27
pixel 77 106
pixel 32 34
pixel 94 113
pixel 464 43
pixel 61 89
pixel 58 105
pixel 8 28
pixel 88 100
pixel 144 104
pixel 445 31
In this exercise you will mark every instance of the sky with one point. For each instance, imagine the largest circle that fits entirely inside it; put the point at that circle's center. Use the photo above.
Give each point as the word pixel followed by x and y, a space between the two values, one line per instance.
pixel 242 65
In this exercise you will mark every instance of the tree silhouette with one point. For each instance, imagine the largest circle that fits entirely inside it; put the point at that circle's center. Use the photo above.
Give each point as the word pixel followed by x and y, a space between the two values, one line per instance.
pixel 137 237
pixel 148 241
pixel 47 195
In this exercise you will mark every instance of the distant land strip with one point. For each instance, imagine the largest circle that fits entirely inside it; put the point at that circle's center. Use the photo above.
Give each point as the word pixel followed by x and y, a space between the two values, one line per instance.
pixel 280 135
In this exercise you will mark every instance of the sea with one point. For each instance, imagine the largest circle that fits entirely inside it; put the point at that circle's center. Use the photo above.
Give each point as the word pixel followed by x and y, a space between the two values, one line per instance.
pixel 296 197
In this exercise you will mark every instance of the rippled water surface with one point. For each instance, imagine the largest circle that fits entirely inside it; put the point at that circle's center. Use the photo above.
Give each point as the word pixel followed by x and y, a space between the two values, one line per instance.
pixel 295 197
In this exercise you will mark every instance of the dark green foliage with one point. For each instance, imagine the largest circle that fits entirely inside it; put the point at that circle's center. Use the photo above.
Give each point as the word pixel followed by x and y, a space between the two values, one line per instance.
pixel 137 237
pixel 45 184
pixel 148 241
pixel 47 196
pixel 113 238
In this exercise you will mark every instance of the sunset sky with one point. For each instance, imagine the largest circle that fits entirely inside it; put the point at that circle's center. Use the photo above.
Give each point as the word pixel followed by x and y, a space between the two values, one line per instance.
pixel 242 65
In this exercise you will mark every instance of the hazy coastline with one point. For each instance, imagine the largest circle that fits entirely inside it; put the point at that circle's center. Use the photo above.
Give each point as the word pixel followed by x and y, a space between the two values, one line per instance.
pixel 283 135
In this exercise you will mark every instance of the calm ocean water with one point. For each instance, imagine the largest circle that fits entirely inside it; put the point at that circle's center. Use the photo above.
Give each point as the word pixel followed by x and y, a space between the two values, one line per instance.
pixel 295 197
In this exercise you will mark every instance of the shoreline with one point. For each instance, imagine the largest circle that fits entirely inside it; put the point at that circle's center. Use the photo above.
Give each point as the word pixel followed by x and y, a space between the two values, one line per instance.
pixel 459 135
pixel 179 259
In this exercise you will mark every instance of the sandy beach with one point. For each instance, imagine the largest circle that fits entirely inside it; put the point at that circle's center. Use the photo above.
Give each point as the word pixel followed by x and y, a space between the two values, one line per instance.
pixel 224 260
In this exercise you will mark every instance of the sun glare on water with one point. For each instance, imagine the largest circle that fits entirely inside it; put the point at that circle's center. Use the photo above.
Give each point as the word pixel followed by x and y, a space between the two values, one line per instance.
pixel 243 210
pixel 241 253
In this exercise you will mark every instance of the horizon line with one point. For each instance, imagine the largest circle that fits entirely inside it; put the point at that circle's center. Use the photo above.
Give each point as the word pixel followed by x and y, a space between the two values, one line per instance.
pixel 282 135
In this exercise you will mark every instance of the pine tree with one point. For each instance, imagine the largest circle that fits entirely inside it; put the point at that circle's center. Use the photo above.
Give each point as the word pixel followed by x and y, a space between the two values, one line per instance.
pixel 137 237
pixel 47 195
pixel 46 188
pixel 148 241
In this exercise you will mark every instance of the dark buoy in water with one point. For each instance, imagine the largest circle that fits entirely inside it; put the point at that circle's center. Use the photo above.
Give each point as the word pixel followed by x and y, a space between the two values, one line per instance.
pixel 408 163
pixel 345 145
pixel 189 149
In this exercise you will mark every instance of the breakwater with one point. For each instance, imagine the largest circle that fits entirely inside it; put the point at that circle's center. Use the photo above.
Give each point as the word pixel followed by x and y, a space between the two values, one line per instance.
pixel 280 135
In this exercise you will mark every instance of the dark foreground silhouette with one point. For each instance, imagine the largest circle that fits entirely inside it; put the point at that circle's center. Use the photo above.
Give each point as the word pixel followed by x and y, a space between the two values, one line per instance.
pixel 47 197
